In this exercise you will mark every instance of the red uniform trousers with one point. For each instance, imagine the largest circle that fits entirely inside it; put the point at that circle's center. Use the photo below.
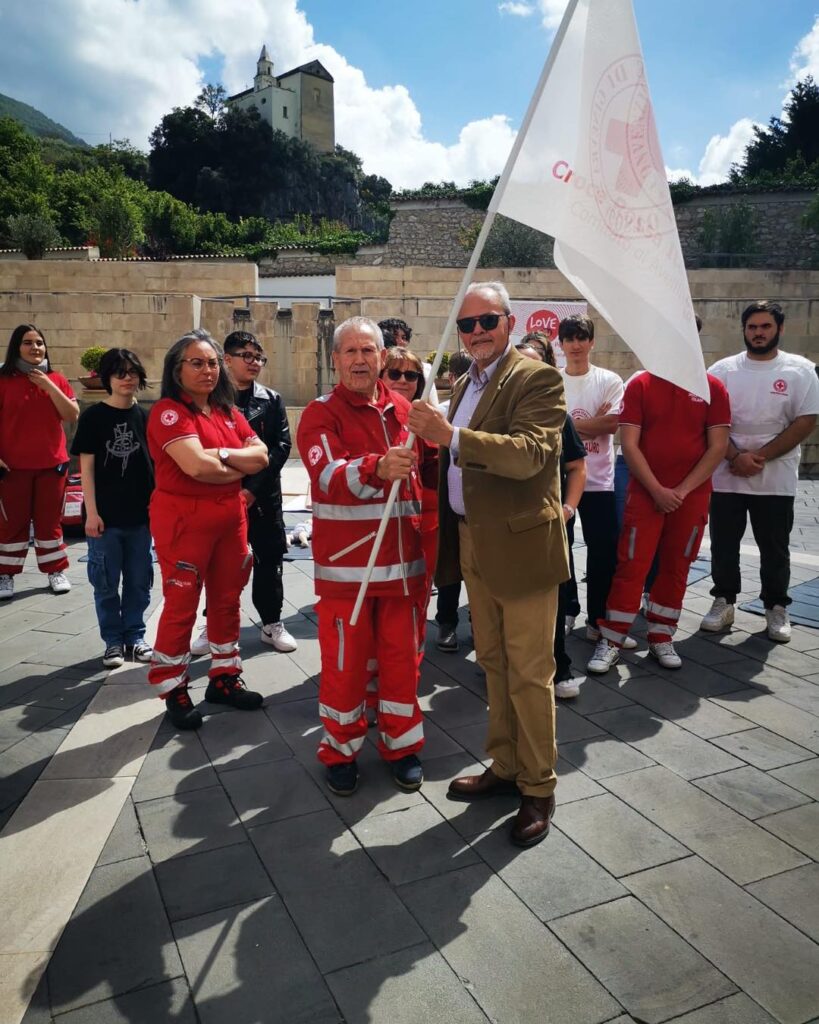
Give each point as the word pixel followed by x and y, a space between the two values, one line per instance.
pixel 387 628
pixel 676 538
pixel 199 542
pixel 429 546
pixel 27 494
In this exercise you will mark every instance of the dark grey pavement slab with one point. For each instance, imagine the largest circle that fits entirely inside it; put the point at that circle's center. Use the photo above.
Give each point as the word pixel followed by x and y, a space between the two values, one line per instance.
pixel 760 952
pixel 738 847
pixel 737 1009
pixel 482 929
pixel 167 1003
pixel 794 895
pixel 191 821
pixel 804 777
pixel 763 748
pixel 641 961
pixel 799 827
pixel 751 792
pixel 250 964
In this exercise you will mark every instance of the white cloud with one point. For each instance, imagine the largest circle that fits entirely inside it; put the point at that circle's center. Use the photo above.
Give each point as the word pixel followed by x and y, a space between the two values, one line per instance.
pixel 519 10
pixel 552 12
pixel 724 150
pixel 99 67
pixel 805 59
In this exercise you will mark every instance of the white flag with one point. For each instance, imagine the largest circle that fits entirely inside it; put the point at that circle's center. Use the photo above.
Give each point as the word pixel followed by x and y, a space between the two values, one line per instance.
pixel 589 172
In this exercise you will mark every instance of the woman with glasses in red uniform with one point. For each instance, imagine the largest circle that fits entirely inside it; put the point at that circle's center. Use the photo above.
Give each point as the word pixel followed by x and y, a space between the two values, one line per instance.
pixel 202 448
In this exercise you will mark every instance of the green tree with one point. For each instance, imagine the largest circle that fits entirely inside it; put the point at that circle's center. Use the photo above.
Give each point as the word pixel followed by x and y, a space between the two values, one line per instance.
pixel 728 235
pixel 212 100
pixel 511 244
pixel 33 233
pixel 793 135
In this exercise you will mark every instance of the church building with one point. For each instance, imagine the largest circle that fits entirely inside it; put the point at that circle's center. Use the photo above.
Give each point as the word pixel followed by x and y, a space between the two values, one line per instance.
pixel 299 103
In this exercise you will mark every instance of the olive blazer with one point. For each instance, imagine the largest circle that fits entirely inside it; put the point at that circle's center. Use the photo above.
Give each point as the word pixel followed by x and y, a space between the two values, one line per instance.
pixel 509 456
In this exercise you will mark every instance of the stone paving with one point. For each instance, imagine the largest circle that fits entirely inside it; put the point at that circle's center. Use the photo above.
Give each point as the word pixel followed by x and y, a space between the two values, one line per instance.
pixel 680 881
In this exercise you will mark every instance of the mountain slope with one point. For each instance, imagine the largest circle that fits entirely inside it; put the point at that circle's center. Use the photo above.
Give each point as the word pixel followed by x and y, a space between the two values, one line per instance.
pixel 35 122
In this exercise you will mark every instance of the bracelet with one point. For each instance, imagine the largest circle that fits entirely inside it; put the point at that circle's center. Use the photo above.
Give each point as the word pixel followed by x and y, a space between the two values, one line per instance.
pixel 566 505
pixel 736 455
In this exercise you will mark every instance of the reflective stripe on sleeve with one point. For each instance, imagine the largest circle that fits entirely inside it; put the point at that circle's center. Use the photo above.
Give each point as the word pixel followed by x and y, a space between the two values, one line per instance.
pixel 321 510
pixel 354 484
pixel 327 474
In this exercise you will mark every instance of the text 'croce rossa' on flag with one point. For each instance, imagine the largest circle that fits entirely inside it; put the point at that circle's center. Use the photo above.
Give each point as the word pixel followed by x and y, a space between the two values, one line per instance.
pixel 589 171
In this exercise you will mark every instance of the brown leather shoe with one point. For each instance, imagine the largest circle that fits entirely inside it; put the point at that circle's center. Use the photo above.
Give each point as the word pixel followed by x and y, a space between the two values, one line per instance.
pixel 532 821
pixel 474 787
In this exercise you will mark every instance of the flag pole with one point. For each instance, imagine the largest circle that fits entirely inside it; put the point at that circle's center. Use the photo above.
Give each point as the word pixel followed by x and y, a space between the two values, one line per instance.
pixel 480 242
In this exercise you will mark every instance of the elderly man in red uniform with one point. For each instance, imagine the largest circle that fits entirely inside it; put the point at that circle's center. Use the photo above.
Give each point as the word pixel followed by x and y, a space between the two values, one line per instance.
pixel 351 442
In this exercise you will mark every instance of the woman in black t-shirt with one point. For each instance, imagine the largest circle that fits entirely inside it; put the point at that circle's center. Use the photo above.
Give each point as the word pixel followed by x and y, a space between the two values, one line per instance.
pixel 117 479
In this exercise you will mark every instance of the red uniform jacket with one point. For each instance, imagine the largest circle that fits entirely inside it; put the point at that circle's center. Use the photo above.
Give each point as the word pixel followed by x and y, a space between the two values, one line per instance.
pixel 340 438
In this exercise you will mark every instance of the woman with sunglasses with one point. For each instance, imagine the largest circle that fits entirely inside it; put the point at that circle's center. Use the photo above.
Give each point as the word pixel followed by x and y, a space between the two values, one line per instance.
pixel 117 481
pixel 202 448
pixel 34 403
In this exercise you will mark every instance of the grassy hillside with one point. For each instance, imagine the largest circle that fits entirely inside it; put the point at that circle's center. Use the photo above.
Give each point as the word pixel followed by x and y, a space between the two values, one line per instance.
pixel 35 122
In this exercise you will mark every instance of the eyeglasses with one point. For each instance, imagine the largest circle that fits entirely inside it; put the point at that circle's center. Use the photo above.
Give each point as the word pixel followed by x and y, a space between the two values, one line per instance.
pixel 200 364
pixel 488 322
pixel 125 374
pixel 410 375
pixel 250 357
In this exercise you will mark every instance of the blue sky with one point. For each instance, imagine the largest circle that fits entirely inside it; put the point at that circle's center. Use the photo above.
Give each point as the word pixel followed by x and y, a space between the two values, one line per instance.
pixel 424 91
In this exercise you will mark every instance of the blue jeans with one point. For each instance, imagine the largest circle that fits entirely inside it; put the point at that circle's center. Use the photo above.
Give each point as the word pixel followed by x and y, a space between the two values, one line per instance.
pixel 121 553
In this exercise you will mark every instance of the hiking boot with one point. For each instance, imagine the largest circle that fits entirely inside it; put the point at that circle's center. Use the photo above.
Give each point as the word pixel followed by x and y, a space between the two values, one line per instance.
pixel 179 708
pixel 6 588
pixel 407 773
pixel 342 779
pixel 59 583
pixel 605 656
pixel 665 654
pixel 231 690
pixel 113 656
pixel 719 617
pixel 201 645
pixel 140 651
pixel 276 636
pixel 779 625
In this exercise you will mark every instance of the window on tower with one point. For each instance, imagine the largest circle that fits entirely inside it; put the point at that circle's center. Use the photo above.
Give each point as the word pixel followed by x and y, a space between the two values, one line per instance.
pixel 284 112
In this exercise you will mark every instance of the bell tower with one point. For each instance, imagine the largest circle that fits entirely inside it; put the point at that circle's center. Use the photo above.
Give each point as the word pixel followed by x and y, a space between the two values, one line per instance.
pixel 264 71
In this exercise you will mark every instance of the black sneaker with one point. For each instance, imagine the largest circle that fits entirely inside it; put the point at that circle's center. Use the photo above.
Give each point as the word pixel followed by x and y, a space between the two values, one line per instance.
pixel 113 656
pixel 231 690
pixel 408 773
pixel 179 708
pixel 342 779
pixel 140 651
pixel 447 639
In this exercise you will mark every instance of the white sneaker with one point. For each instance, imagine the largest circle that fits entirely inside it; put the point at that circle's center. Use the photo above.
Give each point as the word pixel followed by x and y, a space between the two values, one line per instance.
pixel 59 583
pixel 567 688
pixel 665 654
pixel 201 645
pixel 719 617
pixel 113 656
pixel 779 625
pixel 629 644
pixel 275 635
pixel 6 588
pixel 605 656
pixel 570 620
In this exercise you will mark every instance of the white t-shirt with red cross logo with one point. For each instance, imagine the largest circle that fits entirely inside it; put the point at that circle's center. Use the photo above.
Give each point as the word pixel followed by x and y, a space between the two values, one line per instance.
pixel 585 394
pixel 767 395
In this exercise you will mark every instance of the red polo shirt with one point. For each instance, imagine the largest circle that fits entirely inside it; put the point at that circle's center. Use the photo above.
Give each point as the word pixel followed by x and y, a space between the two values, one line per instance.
pixel 31 430
pixel 170 421
pixel 674 424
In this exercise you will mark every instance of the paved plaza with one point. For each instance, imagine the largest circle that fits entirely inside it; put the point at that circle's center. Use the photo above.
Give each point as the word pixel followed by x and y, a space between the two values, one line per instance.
pixel 153 877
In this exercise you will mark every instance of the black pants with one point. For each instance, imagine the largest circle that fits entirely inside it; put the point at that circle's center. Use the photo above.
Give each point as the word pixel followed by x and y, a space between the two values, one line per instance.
pixel 571 602
pixel 449 597
pixel 566 599
pixel 598 514
pixel 771 521
pixel 265 531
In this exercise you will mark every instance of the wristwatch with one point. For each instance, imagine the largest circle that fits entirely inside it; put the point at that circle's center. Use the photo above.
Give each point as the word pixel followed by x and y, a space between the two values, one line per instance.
pixel 569 508
pixel 224 455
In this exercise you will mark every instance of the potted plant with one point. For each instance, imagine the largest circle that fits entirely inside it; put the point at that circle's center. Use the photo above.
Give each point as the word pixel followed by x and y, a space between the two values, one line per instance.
pixel 90 361
pixel 442 380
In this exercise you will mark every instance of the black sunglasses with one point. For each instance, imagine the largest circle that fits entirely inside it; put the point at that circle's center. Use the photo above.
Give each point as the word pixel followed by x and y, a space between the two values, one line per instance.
pixel 488 322
pixel 410 375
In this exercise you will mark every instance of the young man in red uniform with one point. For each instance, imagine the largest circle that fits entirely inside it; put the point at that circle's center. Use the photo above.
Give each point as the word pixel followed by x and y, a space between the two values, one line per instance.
pixel 672 441
pixel 351 443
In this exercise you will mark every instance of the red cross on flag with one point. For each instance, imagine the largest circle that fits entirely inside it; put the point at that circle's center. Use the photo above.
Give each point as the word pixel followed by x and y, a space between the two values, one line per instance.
pixel 587 169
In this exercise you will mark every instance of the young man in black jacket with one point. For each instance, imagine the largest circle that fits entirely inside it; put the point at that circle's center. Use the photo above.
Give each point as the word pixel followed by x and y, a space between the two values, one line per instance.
pixel 265 411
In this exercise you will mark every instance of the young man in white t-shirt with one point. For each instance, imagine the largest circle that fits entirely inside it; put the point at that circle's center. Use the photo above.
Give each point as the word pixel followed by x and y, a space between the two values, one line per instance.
pixel 594 397
pixel 774 404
